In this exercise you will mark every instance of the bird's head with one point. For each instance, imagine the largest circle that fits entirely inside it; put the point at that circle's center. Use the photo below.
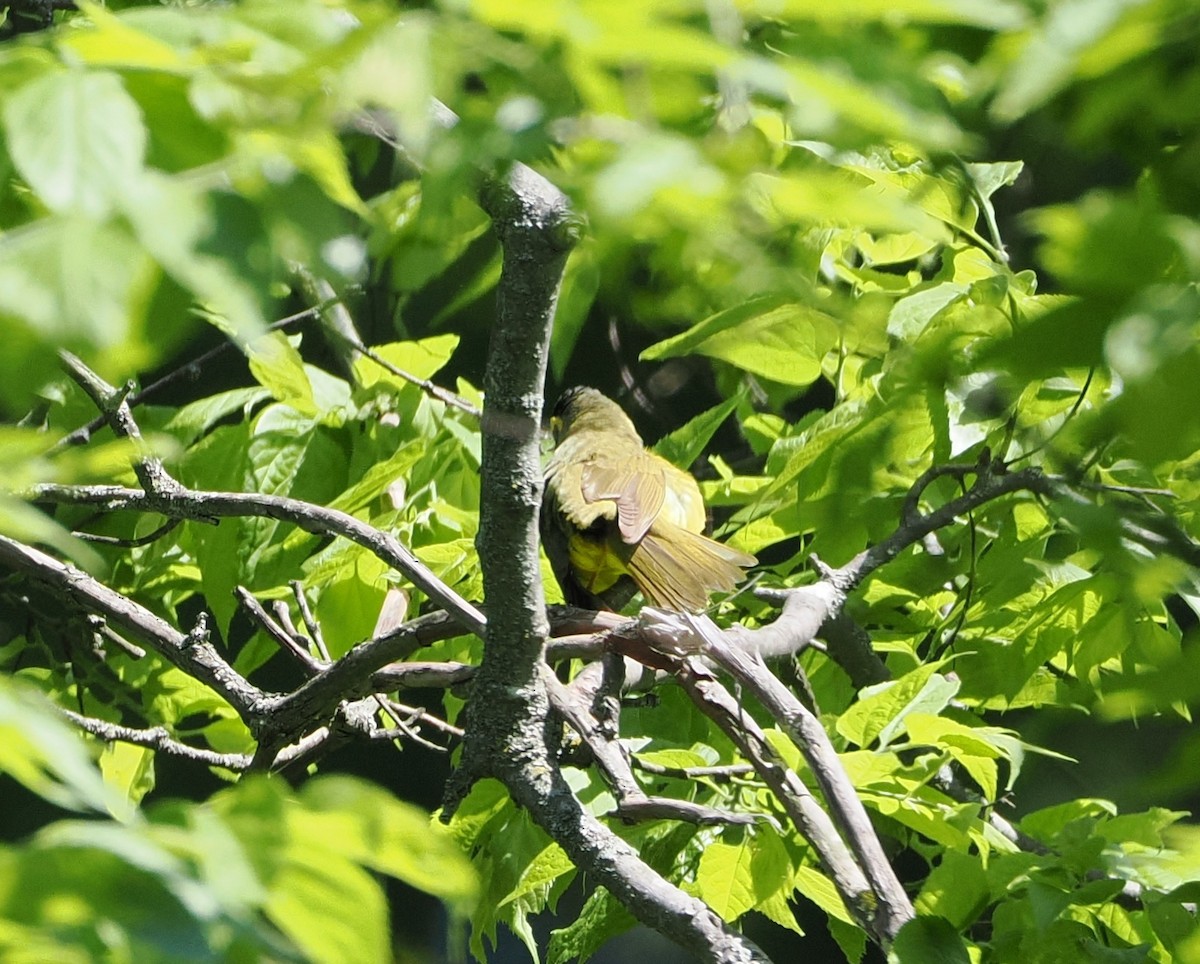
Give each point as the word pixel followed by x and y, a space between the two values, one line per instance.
pixel 582 409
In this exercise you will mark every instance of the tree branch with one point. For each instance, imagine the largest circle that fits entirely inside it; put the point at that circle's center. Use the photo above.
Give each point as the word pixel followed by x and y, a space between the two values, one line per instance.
pixel 189 370
pixel 893 907
pixel 190 652
pixel 155 738
pixel 204 506
pixel 802 808
pixel 633 803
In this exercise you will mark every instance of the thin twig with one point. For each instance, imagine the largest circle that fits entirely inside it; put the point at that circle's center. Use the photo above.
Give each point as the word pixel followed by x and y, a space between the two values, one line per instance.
pixel 291 645
pixel 191 370
pixel 106 633
pixel 155 738
pixel 1079 399
pixel 310 621
pixel 137 543
pixel 431 389
pixel 911 508
pixel 403 730
pixel 114 406
pixel 421 715
pixel 724 773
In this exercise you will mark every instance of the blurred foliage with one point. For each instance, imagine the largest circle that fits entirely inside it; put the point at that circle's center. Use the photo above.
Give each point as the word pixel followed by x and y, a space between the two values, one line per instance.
pixel 794 214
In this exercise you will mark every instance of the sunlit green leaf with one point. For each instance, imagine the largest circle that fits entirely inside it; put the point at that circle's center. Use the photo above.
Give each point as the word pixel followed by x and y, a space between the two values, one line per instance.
pixel 734 877
pixel 777 339
pixel 77 137
pixel 278 367
pixel 881 710
pixel 40 750
pixel 391 836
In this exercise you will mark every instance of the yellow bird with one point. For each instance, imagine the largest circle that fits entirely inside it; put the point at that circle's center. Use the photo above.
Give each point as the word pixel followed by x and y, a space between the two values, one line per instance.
pixel 617 518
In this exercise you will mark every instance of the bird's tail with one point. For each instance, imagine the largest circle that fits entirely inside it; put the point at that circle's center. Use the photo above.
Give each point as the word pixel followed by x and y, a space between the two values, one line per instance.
pixel 678 569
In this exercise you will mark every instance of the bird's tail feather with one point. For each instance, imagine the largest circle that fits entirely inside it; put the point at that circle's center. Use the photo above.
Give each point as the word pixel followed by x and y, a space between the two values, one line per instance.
pixel 677 568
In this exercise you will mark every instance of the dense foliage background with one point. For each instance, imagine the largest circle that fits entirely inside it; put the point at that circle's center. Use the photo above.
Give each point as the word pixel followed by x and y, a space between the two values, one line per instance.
pixel 858 240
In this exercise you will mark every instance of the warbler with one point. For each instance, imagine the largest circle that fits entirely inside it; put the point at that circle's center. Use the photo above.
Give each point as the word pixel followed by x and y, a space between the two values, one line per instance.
pixel 616 518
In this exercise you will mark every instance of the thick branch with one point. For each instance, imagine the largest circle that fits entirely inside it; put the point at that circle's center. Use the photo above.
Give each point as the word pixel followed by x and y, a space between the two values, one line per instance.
pixel 508 713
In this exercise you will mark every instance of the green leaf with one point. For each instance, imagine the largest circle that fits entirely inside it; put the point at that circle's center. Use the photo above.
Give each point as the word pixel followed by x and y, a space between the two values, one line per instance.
pixel 20 520
pixel 40 750
pixel 881 710
pixel 132 846
pixel 128 769
pixel 989 178
pixel 777 909
pixel 1145 828
pixel 421 359
pixel 843 198
pixel 655 168
pixel 1047 823
pixel 772 337
pixel 81 283
pixel 111 41
pixel 911 315
pixel 378 477
pixel 77 138
pixel 928 940
pixel 547 867
pixel 602 917
pixel 392 837
pixel 170 695
pixel 733 878
pixel 487 799
pixel 198 417
pixel 121 886
pixel 517 874
pixel 330 907
pixel 278 367
pixel 684 445
pixel 821 891
pixel 955 890
pixel 1048 61
pixel 1082 246
pixel 850 938
pixel 968 746
pixel 213 244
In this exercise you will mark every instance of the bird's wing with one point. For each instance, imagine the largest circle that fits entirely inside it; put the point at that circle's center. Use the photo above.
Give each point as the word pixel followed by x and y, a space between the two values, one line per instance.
pixel 564 485
pixel 636 486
